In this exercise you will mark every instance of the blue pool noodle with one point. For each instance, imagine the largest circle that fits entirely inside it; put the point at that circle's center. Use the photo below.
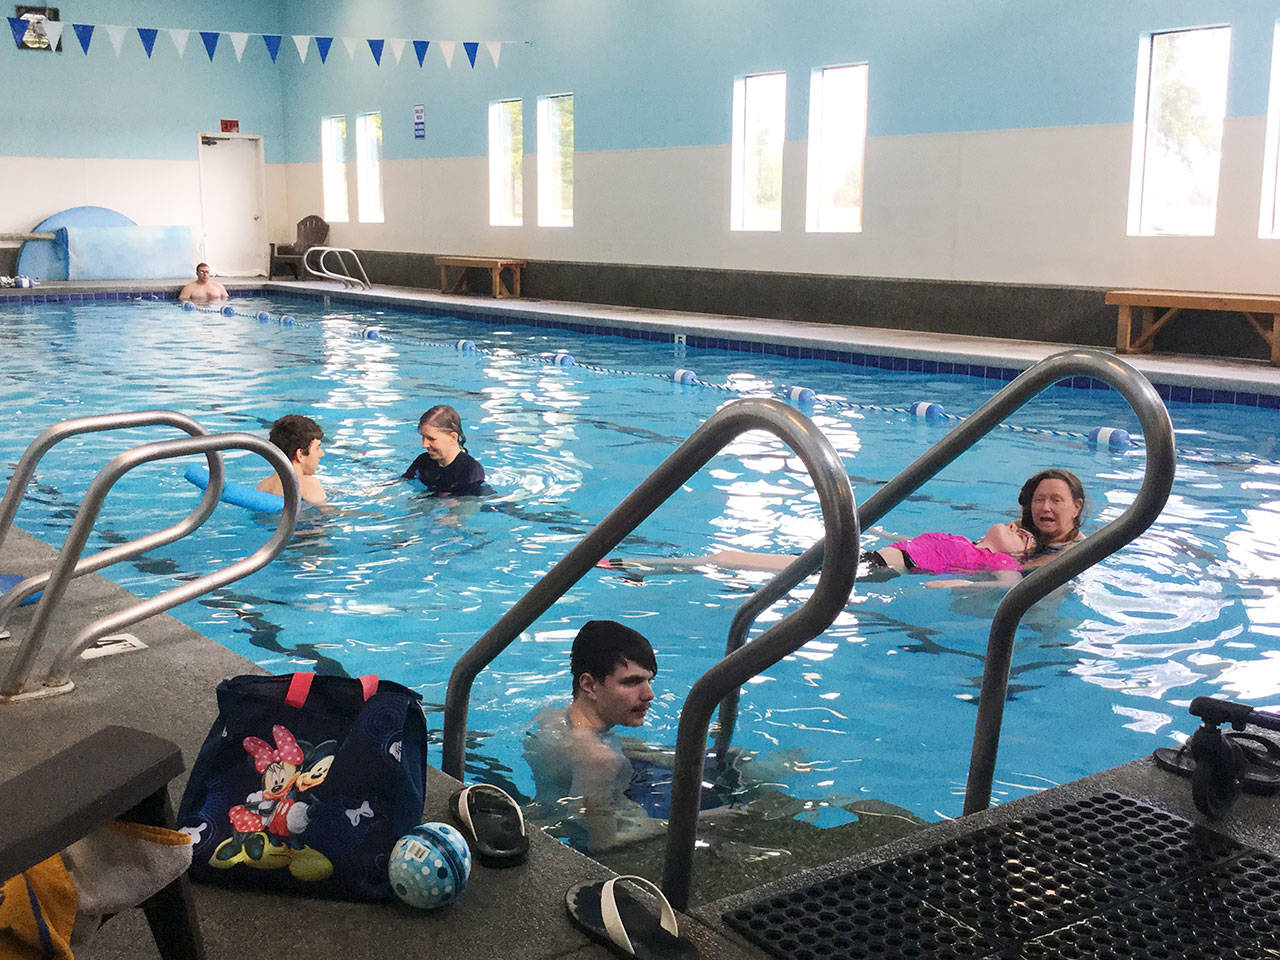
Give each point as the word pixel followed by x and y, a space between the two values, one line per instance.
pixel 237 494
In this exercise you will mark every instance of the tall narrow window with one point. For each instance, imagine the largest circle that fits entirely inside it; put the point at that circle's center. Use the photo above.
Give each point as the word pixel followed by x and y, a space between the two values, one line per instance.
pixel 506 163
pixel 333 168
pixel 837 145
pixel 1177 132
pixel 759 131
pixel 1269 216
pixel 369 167
pixel 555 161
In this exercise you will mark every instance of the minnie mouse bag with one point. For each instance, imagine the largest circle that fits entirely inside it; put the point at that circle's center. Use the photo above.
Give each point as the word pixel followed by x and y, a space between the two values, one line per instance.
pixel 305 783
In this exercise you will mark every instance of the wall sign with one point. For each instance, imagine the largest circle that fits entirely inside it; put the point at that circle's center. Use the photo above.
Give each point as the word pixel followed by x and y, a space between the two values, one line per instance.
pixel 419 122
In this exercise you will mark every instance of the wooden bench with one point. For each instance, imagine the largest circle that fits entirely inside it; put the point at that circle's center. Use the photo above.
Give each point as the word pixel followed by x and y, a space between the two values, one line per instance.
pixel 495 266
pixel 1173 301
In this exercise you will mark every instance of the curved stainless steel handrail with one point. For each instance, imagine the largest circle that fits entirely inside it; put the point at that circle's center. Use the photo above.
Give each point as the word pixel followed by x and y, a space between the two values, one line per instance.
pixel 38 447
pixel 58 679
pixel 1158 434
pixel 345 278
pixel 840 523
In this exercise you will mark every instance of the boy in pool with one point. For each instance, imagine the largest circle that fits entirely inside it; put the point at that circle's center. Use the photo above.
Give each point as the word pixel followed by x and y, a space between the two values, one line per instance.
pixel 299 437
pixel 576 760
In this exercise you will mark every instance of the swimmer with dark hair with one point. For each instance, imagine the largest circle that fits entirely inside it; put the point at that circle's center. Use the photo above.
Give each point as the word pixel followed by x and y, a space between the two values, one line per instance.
pixel 445 467
pixel 298 437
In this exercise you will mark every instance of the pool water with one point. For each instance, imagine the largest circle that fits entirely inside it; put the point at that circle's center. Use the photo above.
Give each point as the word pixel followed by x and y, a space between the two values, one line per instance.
pixel 881 706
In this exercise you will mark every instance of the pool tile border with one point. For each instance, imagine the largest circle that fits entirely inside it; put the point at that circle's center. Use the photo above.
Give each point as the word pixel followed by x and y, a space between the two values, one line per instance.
pixel 1170 393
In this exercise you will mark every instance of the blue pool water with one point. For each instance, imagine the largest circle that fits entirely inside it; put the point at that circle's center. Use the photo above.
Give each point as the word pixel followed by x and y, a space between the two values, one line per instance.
pixel 880 706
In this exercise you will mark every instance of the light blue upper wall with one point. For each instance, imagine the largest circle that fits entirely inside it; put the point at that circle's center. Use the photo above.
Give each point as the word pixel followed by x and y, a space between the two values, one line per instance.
pixel 644 73
pixel 70 104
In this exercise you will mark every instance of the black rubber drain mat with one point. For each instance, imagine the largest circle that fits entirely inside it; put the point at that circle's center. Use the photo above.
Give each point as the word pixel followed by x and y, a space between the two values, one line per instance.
pixel 1107 877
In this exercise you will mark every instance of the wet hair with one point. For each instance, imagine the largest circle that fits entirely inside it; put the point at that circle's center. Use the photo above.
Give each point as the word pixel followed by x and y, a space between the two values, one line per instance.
pixel 1029 490
pixel 602 646
pixel 295 432
pixel 444 417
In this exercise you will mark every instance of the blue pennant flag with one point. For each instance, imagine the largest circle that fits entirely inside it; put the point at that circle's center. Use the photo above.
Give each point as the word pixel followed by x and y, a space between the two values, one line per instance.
pixel 375 47
pixel 272 40
pixel 19 28
pixel 148 37
pixel 323 44
pixel 210 38
pixel 420 48
pixel 471 47
pixel 84 33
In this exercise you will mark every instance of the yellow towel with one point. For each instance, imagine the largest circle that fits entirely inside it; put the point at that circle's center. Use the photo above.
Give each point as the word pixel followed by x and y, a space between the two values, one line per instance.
pixel 37 911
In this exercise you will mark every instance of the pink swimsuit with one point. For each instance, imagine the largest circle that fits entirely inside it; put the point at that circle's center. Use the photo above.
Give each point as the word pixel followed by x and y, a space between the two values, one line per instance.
pixel 948 553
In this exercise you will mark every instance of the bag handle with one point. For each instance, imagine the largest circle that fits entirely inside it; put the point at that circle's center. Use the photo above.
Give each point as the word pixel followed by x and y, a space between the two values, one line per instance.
pixel 300 686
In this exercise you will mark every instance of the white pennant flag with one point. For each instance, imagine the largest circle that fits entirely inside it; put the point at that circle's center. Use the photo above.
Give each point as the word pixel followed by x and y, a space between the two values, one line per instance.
pixel 446 50
pixel 397 47
pixel 303 44
pixel 350 44
pixel 238 40
pixel 116 34
pixel 179 38
pixel 53 30
pixel 495 49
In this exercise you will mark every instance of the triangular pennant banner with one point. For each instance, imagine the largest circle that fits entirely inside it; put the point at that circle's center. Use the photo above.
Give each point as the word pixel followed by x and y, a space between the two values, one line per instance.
pixel 19 28
pixel 350 43
pixel 303 44
pixel 210 38
pixel 272 40
pixel 84 33
pixel 495 50
pixel 148 37
pixel 238 40
pixel 471 47
pixel 446 48
pixel 116 35
pixel 375 47
pixel 323 44
pixel 420 48
pixel 397 47
pixel 53 30
pixel 180 38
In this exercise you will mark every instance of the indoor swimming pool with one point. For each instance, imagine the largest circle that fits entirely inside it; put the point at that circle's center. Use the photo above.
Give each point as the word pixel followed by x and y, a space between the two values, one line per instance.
pixel 389 581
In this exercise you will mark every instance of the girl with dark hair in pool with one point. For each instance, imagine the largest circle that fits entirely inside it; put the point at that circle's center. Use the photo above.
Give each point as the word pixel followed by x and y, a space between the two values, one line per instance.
pixel 445 467
pixel 1052 504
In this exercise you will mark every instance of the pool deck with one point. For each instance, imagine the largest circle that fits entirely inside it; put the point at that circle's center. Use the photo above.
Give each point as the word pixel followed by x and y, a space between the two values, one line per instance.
pixel 167 689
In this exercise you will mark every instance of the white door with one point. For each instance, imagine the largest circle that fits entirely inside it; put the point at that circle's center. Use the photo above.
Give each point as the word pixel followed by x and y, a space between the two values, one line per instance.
pixel 233 204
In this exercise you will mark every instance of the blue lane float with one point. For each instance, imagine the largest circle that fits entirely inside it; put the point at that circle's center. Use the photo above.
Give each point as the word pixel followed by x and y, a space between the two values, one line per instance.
pixel 264 317
pixel 466 346
pixel 801 395
pixel 1111 437
pixel 228 311
pixel 188 305
pixel 564 359
pixel 287 321
pixel 10 580
pixel 372 333
pixel 237 494
pixel 683 376
pixel 928 410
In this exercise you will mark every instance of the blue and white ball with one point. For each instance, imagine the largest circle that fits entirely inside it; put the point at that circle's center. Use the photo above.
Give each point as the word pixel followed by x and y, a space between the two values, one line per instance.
pixel 228 311
pixel 430 866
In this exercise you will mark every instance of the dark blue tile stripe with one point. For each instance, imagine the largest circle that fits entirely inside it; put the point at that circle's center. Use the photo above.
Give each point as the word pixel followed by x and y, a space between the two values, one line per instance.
pixel 1170 393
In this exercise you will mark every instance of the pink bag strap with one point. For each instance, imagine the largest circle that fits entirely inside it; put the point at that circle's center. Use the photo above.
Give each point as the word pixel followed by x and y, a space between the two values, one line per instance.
pixel 300 686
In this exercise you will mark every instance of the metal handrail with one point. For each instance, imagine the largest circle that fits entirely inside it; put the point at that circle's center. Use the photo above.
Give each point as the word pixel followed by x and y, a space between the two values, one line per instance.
pixel 25 470
pixel 1157 481
pixel 345 277
pixel 58 679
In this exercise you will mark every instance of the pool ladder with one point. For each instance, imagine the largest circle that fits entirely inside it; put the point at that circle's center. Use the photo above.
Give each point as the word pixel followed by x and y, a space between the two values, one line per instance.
pixel 71 564
pixel 342 273
pixel 842 523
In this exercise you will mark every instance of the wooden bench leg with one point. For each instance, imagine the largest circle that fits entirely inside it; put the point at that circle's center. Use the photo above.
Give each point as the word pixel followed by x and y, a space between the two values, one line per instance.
pixel 515 281
pixel 1275 339
pixel 1124 328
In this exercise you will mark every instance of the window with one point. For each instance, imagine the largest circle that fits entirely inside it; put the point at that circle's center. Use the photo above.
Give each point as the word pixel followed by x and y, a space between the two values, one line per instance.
pixel 369 167
pixel 759 130
pixel 1177 132
pixel 506 163
pixel 333 168
pixel 1269 219
pixel 555 161
pixel 837 142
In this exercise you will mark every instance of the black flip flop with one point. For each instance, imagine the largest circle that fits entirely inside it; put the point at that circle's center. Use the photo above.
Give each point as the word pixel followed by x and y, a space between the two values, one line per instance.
pixel 612 916
pixel 492 823
pixel 1261 773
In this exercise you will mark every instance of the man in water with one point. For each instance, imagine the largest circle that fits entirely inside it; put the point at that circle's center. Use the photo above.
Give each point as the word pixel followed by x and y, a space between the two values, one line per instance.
pixel 203 287
pixel 579 769
pixel 299 438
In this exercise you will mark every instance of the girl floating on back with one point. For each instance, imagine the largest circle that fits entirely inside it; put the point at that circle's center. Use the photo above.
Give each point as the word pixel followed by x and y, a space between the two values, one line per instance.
pixel 445 467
